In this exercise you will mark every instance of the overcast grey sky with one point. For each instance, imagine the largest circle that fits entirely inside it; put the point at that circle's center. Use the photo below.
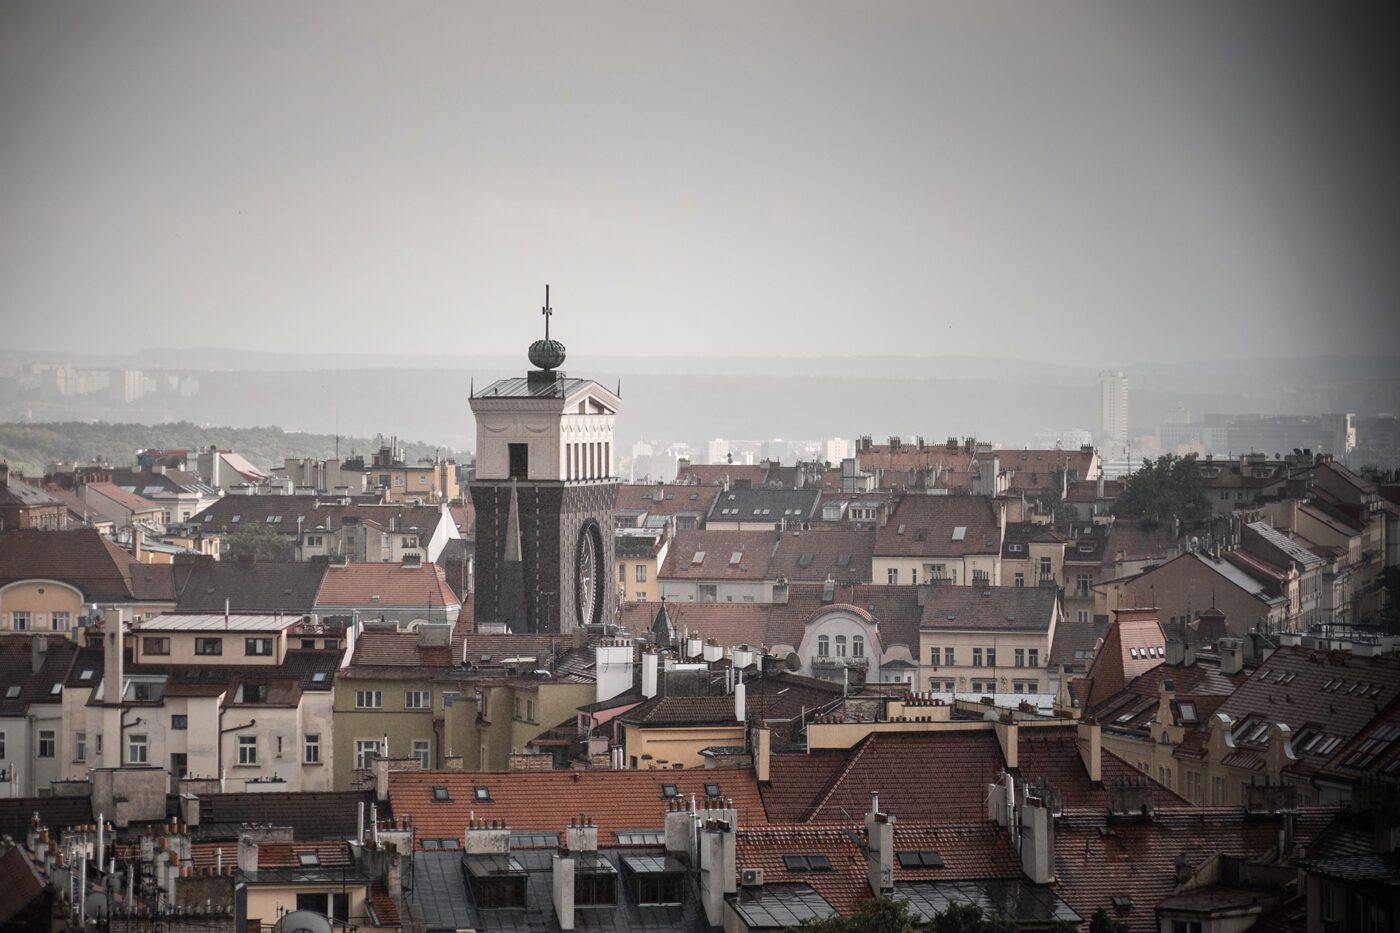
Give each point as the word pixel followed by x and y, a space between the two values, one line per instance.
pixel 1101 183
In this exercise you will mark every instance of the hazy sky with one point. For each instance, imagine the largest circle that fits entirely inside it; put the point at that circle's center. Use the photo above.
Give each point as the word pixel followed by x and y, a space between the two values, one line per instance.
pixel 1091 182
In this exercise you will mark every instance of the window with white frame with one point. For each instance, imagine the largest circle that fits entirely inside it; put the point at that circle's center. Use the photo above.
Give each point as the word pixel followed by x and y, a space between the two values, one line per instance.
pixel 858 646
pixel 366 751
pixel 840 646
pixel 420 751
pixel 312 748
pixel 80 746
pixel 417 699
pixel 823 646
pixel 62 621
pixel 20 621
pixel 641 573
pixel 1033 657
pixel 137 749
pixel 892 576
pixel 247 749
pixel 369 699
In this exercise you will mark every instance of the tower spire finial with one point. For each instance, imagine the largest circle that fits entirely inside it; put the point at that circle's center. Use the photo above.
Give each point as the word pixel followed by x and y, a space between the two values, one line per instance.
pixel 547 311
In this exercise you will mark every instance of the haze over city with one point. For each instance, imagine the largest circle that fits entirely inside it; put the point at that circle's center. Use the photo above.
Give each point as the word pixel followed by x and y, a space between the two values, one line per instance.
pixel 1100 183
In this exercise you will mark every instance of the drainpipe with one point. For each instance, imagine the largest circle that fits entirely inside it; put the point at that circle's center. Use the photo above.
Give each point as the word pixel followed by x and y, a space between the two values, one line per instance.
pixel 223 731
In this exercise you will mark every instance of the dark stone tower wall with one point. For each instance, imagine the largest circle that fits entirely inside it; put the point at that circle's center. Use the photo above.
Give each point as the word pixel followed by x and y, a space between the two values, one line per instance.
pixel 551 516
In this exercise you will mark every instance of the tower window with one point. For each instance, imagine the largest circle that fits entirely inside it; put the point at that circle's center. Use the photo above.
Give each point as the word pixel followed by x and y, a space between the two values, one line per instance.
pixel 519 461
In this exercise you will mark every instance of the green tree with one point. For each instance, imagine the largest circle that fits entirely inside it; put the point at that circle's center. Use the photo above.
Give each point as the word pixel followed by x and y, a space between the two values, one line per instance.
pixel 1101 922
pixel 1165 489
pixel 258 541
pixel 876 915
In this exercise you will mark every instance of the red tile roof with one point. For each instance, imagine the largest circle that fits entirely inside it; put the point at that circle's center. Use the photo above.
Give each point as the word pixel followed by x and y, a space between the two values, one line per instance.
pixel 545 801
pixel 1137 858
pixel 666 499
pixel 811 555
pixel 1134 645
pixel 87 560
pixel 755 549
pixel 386 585
pixel 1015 608
pixel 926 526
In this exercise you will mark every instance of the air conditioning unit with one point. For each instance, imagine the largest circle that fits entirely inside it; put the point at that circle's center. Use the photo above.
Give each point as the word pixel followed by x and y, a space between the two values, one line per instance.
pixel 751 877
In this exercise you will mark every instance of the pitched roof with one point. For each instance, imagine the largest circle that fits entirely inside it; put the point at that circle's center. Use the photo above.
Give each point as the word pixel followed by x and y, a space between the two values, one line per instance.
pixel 665 498
pixel 718 474
pixel 842 553
pixel 969 851
pixel 717 551
pixel 16 652
pixel 85 559
pixel 310 814
pixel 1135 644
pixel 386 585
pixel 895 608
pixel 545 801
pixel 1004 608
pixel 897 766
pixel 249 586
pixel 20 884
pixel 230 512
pixel 939 526
pixel 764 504
pixel 1097 860
pixel 54 813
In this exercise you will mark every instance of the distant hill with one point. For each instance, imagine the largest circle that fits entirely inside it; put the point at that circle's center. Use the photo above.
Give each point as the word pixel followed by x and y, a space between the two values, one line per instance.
pixel 30 448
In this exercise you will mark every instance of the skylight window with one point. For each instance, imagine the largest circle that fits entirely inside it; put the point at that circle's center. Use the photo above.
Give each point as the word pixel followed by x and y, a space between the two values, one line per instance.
pixel 843 560
pixel 920 858
pixel 13 692
pixel 440 795
pixel 959 533
pixel 308 859
pixel 899 530
pixel 699 558
pixel 805 560
pixel 669 791
pixel 736 557
pixel 55 690
pixel 806 863
pixel 481 793
pixel 712 790
pixel 1188 711
pixel 85 675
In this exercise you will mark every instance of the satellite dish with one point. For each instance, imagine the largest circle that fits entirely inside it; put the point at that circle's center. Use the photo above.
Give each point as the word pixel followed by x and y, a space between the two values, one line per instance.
pixel 95 906
pixel 302 921
pixel 792 662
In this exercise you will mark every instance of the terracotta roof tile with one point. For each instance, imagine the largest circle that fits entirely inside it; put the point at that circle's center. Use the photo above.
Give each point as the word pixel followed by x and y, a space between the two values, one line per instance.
pixel 755 549
pixel 928 526
pixel 84 558
pixel 387 585
pixel 545 801
pixel 810 556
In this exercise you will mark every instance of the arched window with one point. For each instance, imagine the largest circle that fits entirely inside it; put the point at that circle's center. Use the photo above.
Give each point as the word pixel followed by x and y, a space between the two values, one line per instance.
pixel 858 646
pixel 823 646
pixel 840 646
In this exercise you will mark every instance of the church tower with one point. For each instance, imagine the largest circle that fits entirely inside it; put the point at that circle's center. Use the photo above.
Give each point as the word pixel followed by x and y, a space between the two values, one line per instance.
pixel 544 496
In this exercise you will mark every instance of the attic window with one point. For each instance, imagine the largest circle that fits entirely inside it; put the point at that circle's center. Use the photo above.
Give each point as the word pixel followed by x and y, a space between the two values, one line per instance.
pixel 481 793
pixel 440 795
pixel 806 863
pixel 805 560
pixel 843 560
pixel 669 791
pixel 639 837
pixel 921 534
pixel 448 843
pixel 920 858
pixel 959 533
pixel 1188 711
pixel 308 859
pixel 319 677
pixel 699 558
pixel 735 558
pixel 1132 653
pixel 236 519
pixel 55 690
pixel 1015 548
pixel 899 530
pixel 85 675
pixel 712 790
pixel 533 840
pixel 1122 902
pixel 13 692
pixel 694 496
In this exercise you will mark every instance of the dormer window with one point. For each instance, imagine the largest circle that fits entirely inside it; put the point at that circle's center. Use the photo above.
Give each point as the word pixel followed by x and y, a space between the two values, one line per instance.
pixel 481 794
pixel 670 792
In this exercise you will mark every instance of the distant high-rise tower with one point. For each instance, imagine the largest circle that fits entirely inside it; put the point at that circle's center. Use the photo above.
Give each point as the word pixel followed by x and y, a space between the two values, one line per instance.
pixel 1113 407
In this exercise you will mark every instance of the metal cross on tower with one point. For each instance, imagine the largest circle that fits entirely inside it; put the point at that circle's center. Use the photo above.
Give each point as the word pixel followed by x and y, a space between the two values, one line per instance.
pixel 546 311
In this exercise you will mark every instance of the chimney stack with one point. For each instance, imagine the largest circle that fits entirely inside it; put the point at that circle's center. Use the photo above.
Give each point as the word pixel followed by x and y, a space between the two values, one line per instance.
pixel 879 849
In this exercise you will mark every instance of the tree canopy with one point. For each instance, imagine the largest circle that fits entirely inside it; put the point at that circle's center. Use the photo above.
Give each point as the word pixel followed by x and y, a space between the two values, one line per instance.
pixel 256 540
pixel 1165 489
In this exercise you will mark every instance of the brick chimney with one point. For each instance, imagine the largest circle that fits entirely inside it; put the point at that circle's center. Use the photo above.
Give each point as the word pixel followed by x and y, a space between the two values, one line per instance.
pixel 879 849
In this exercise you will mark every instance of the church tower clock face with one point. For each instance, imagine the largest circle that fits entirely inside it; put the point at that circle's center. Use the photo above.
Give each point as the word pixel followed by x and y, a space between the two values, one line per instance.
pixel 588 574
